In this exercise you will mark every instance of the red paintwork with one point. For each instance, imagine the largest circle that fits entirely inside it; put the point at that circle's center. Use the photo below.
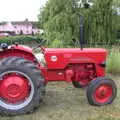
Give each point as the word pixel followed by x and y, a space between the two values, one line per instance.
pixel 103 93
pixel 84 73
pixel 75 59
pixel 72 55
pixel 18 51
pixel 14 88
pixel 22 48
pixel 62 64
pixel 65 64
pixel 69 75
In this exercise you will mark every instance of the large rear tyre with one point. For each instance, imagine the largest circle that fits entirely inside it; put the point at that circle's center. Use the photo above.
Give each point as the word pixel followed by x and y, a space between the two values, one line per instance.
pixel 101 91
pixel 21 86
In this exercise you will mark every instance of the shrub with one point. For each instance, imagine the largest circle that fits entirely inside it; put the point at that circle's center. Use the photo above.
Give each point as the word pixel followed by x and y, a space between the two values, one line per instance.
pixel 113 62
pixel 21 39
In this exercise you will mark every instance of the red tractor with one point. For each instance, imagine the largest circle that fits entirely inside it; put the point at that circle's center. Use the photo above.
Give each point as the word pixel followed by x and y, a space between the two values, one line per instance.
pixel 23 77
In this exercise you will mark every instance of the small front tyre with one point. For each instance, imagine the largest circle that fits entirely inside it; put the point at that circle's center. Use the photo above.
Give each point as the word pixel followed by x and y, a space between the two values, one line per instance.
pixel 101 91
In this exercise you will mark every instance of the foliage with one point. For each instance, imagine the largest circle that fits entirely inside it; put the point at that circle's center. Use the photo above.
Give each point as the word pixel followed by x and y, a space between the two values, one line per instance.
pixel 113 61
pixel 56 43
pixel 61 22
pixel 116 2
pixel 101 20
pixel 21 39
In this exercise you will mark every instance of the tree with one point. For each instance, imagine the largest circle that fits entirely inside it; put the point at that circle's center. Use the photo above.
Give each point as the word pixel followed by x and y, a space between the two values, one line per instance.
pixel 116 24
pixel 61 23
pixel 101 20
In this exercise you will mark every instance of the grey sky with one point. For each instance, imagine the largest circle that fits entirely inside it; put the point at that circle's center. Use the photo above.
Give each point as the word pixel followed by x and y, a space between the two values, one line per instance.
pixel 17 10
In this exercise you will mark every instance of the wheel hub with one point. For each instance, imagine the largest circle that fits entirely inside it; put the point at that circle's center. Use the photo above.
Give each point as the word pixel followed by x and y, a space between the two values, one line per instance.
pixel 103 93
pixel 14 88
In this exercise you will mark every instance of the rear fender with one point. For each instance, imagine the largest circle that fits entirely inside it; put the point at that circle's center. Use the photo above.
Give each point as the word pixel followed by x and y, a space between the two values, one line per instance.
pixel 18 51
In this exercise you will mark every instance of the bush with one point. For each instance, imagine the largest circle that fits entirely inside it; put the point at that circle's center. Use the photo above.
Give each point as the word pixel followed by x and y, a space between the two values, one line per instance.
pixel 113 62
pixel 21 39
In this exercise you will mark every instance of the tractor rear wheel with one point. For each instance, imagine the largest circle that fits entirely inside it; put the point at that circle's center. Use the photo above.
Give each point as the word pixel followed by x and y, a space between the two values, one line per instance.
pixel 101 91
pixel 21 86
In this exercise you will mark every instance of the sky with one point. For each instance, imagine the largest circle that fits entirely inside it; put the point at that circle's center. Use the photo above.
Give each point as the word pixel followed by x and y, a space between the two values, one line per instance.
pixel 19 10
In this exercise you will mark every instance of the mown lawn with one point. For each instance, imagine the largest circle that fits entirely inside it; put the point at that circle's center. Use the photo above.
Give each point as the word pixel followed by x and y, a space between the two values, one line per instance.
pixel 64 102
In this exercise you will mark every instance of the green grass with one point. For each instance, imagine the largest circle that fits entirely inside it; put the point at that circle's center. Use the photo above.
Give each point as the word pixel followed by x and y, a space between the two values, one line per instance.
pixel 64 102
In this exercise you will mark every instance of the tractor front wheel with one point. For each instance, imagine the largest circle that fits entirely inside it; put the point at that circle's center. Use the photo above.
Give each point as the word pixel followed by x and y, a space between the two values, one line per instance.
pixel 21 86
pixel 101 91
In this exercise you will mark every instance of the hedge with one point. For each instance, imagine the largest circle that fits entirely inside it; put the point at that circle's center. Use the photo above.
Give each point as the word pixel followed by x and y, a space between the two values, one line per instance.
pixel 21 39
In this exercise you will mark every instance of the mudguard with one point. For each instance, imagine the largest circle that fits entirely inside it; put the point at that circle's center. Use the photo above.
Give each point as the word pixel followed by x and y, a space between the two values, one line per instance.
pixel 18 51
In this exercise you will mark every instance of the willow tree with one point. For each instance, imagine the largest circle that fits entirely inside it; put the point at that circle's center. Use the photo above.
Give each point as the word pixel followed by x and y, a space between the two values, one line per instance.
pixel 116 24
pixel 101 22
pixel 60 22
